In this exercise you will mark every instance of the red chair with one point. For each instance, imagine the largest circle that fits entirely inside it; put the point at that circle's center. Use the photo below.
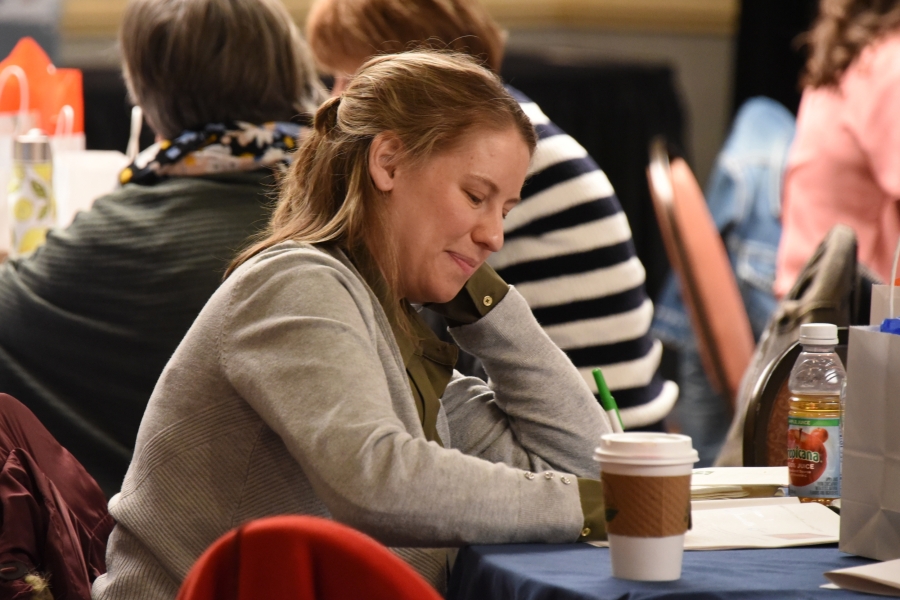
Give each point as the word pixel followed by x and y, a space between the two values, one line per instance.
pixel 301 558
pixel 698 257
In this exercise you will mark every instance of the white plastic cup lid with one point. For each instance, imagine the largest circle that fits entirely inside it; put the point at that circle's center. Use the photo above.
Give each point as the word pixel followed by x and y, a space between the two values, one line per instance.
pixel 646 448
pixel 821 334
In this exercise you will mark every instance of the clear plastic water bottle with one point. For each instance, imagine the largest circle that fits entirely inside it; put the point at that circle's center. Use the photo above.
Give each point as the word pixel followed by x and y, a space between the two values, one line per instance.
pixel 31 204
pixel 814 421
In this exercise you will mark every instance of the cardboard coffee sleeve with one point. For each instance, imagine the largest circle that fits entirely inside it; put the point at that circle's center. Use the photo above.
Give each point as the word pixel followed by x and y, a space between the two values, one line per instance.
pixel 647 506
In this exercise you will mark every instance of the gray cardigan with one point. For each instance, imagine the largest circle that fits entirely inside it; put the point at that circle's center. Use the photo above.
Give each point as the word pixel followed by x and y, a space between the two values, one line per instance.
pixel 288 395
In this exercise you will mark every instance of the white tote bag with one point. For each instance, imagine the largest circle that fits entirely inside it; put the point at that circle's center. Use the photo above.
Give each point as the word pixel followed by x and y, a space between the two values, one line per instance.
pixel 870 472
pixel 80 176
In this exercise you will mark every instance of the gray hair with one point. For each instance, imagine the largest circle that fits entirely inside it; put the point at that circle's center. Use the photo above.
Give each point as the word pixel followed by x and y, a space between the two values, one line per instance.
pixel 187 63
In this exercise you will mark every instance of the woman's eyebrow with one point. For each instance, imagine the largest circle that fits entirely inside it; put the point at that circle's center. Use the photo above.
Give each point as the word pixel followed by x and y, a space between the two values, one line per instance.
pixel 493 187
pixel 490 184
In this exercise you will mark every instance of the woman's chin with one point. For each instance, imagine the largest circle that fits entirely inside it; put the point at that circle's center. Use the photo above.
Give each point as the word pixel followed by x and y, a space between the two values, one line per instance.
pixel 442 296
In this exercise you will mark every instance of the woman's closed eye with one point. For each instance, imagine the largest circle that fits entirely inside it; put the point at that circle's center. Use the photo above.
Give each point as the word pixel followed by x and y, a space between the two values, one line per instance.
pixel 474 198
pixel 509 206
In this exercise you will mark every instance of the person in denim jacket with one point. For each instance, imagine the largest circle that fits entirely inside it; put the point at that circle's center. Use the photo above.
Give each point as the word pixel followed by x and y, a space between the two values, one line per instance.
pixel 744 198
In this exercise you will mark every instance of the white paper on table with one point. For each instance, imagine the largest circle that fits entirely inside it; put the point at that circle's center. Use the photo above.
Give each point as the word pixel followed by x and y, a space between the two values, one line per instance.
pixel 742 502
pixel 737 482
pixel 719 492
pixel 879 578
pixel 741 476
pixel 766 525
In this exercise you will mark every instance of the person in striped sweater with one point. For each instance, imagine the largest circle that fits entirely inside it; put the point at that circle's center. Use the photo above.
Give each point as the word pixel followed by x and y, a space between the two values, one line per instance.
pixel 568 247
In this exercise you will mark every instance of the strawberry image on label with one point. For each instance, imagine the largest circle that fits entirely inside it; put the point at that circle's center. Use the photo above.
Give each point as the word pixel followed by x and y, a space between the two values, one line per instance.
pixel 810 444
pixel 807 455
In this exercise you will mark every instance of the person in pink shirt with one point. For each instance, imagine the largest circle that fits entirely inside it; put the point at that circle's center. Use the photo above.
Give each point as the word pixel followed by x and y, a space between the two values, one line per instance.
pixel 844 165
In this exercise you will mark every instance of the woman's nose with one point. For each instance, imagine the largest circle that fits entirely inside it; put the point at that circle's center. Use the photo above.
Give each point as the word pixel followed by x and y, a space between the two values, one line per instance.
pixel 489 232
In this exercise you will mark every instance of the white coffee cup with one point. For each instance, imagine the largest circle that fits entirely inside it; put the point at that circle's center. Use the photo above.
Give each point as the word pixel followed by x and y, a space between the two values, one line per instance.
pixel 646 486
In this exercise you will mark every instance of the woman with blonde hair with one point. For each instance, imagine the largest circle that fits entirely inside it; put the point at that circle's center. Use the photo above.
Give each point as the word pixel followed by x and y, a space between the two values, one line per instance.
pixel 309 383
pixel 844 165
pixel 571 252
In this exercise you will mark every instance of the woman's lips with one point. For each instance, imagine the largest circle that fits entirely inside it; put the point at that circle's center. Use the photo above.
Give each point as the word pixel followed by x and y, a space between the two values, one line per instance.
pixel 467 264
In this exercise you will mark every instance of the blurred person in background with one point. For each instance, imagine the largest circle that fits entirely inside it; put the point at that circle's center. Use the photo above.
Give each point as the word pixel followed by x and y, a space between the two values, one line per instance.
pixel 744 198
pixel 844 165
pixel 309 383
pixel 568 246
pixel 89 320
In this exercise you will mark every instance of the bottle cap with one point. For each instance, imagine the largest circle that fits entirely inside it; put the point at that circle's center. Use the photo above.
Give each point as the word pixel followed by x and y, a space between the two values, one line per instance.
pixel 33 146
pixel 819 334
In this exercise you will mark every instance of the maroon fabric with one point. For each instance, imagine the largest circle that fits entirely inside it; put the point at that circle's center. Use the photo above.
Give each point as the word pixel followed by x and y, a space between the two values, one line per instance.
pixel 54 518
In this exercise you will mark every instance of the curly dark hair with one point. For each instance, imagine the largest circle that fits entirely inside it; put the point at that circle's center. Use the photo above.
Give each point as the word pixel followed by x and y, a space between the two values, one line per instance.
pixel 840 32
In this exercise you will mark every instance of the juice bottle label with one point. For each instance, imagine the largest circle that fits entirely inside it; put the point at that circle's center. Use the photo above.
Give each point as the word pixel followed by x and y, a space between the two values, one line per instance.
pixel 814 457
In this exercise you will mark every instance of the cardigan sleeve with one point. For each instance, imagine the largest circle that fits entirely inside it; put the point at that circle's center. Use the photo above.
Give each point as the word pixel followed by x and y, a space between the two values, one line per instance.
pixel 536 412
pixel 301 345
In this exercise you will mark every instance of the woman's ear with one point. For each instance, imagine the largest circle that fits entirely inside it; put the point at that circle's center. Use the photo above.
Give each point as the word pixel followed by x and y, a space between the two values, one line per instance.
pixel 384 152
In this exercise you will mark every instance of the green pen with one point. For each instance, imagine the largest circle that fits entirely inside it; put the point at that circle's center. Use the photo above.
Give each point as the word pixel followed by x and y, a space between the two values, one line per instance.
pixel 608 402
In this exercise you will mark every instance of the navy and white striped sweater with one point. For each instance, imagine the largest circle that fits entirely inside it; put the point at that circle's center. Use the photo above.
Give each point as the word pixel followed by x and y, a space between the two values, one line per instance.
pixel 569 252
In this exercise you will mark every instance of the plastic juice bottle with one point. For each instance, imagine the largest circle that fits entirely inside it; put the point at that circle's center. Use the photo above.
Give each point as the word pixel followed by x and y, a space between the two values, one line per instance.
pixel 814 420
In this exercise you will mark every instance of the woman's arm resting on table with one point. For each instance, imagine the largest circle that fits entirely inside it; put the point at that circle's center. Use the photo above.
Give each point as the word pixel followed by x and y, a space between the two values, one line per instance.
pixel 537 405
pixel 538 411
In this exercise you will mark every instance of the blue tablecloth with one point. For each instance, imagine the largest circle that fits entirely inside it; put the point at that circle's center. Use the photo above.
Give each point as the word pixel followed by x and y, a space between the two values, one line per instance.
pixel 580 571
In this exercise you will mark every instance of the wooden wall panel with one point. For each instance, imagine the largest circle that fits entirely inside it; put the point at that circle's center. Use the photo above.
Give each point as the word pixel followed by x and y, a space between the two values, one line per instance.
pixel 100 18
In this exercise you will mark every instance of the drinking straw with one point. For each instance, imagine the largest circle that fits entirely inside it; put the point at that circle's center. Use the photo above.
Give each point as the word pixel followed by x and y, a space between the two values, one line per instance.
pixel 608 402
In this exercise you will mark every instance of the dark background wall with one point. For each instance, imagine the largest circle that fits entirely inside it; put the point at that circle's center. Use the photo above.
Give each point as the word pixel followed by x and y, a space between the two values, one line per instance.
pixel 769 56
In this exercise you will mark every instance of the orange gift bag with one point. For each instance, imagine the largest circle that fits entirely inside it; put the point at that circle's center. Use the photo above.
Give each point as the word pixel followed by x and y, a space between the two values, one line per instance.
pixel 48 90
pixel 34 93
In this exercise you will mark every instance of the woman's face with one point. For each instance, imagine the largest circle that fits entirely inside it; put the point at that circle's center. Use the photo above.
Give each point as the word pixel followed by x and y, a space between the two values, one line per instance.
pixel 446 214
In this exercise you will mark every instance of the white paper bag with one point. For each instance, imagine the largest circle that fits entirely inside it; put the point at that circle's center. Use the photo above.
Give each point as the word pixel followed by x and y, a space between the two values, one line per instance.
pixel 11 125
pixel 870 487
pixel 79 178
pixel 880 309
